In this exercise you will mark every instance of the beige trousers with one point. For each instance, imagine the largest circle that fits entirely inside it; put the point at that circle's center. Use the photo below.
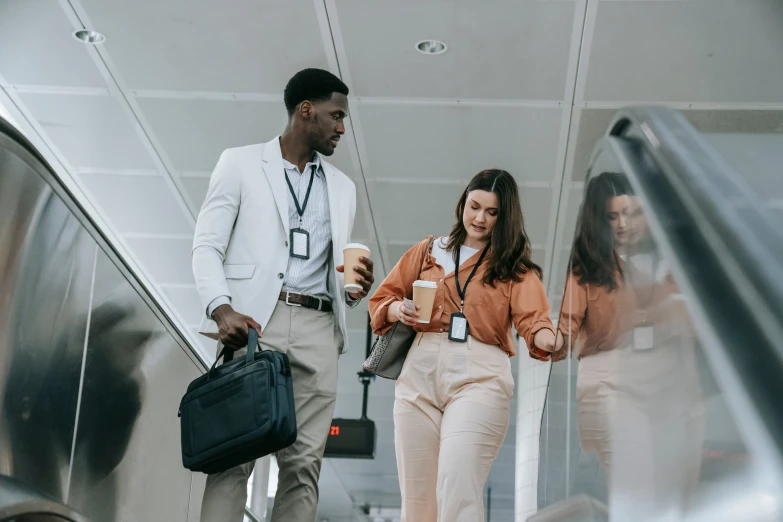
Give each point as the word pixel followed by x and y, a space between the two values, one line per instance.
pixel 451 414
pixel 307 337
pixel 642 413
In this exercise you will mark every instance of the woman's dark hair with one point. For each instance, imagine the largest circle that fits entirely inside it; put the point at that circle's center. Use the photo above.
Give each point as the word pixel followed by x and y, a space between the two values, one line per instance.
pixel 593 258
pixel 509 257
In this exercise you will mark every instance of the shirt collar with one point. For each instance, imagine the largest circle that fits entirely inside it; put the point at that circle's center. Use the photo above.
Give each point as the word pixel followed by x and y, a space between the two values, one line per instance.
pixel 319 171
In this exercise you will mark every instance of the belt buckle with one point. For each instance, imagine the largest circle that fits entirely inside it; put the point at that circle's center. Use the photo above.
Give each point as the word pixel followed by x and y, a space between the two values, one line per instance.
pixel 320 304
pixel 289 303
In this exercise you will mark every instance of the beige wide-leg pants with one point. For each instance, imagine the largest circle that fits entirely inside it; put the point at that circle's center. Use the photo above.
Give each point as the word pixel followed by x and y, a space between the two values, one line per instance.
pixel 307 337
pixel 451 413
pixel 643 414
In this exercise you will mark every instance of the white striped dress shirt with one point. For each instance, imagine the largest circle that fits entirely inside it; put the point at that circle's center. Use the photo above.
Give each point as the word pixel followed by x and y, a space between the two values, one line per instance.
pixel 310 276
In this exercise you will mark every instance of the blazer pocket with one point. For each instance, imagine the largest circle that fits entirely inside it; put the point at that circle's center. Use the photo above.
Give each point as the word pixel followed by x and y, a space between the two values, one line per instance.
pixel 239 271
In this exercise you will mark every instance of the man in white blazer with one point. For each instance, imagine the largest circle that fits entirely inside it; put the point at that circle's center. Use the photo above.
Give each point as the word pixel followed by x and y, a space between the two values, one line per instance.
pixel 268 254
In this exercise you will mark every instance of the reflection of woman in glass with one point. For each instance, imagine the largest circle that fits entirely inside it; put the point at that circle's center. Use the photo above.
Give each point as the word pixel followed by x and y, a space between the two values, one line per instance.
pixel 638 397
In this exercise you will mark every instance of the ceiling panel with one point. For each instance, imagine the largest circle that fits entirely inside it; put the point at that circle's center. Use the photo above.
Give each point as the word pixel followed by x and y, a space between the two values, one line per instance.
pixel 494 48
pixel 434 214
pixel 39 33
pixel 196 189
pixel 91 131
pixel 137 204
pixel 195 132
pixel 697 51
pixel 195 45
pixel 166 260
pixel 456 142
pixel 593 124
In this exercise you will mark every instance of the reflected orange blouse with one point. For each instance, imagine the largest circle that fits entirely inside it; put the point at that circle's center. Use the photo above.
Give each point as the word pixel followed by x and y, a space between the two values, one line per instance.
pixel 490 311
pixel 601 319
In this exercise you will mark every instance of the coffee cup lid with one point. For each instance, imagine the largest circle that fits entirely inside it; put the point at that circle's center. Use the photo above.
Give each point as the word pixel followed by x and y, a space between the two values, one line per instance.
pixel 425 284
pixel 356 245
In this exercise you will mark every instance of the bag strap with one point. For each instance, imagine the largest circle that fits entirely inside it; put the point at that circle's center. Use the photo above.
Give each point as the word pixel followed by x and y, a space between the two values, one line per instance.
pixel 227 354
pixel 426 251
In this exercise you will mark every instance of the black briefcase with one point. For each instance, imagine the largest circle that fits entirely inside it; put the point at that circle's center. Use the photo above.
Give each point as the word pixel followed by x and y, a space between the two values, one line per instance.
pixel 239 411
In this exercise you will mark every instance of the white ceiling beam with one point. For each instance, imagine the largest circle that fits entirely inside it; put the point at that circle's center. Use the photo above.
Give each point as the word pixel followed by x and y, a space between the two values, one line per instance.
pixel 458 102
pixel 566 135
pixel 79 19
pixel 334 45
pixel 683 105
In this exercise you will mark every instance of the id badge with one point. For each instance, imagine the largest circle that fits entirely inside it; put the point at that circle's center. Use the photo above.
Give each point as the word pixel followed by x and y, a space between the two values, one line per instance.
pixel 300 243
pixel 458 328
pixel 643 338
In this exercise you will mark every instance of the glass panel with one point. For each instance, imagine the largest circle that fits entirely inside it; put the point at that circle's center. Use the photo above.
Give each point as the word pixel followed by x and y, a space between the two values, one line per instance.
pixel 634 415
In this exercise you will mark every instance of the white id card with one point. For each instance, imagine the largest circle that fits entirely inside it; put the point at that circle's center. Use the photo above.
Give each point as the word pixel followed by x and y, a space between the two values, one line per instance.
pixel 458 328
pixel 643 338
pixel 300 243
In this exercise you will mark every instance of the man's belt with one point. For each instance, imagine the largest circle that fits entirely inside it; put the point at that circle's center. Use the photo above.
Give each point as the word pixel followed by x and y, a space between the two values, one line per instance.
pixel 307 301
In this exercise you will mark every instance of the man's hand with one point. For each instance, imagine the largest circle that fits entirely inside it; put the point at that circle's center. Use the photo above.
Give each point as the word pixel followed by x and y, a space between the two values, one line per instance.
pixel 365 279
pixel 544 340
pixel 233 327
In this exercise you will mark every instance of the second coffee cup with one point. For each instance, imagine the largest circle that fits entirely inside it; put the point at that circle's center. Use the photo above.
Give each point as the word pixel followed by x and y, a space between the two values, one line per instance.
pixel 351 255
pixel 424 297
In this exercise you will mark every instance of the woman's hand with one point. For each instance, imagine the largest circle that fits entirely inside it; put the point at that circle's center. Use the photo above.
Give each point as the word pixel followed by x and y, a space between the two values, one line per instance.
pixel 544 340
pixel 399 312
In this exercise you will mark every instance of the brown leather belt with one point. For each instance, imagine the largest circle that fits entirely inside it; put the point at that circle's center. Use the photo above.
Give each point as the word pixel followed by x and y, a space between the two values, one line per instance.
pixel 307 301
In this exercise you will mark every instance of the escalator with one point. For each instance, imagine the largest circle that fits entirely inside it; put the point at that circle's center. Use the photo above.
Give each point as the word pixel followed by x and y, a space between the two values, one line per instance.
pixel 92 369
pixel 668 404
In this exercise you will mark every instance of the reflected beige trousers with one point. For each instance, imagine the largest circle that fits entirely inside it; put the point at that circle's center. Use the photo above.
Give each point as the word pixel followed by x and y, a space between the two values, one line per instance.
pixel 451 414
pixel 643 414
pixel 307 337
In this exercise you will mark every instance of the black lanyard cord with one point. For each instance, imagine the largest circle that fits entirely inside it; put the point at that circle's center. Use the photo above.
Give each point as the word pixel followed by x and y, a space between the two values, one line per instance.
pixel 462 291
pixel 301 210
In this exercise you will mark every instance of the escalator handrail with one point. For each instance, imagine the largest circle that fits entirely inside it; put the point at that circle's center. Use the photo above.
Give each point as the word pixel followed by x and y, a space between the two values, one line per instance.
pixel 748 242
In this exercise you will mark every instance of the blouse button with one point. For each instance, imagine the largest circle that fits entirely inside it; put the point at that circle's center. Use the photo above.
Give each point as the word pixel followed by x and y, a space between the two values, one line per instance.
pixel 441 329
pixel 441 306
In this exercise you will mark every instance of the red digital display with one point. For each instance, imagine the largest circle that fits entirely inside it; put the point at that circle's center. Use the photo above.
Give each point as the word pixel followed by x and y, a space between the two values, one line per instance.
pixel 335 431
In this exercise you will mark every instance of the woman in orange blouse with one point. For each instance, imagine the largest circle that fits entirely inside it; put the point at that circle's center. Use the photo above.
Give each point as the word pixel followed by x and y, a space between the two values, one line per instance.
pixel 638 396
pixel 452 399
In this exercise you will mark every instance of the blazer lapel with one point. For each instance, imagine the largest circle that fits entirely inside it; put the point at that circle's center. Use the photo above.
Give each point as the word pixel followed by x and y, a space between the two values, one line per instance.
pixel 274 171
pixel 333 191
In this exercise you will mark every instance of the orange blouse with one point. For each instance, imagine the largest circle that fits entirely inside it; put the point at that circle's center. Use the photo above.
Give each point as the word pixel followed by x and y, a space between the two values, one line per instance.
pixel 602 320
pixel 490 311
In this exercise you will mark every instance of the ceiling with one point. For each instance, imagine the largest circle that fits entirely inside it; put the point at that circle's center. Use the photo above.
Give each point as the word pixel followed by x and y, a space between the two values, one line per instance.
pixel 136 124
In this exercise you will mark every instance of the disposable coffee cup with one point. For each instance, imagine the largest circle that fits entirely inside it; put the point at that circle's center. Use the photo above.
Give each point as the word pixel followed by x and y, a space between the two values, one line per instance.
pixel 424 297
pixel 351 254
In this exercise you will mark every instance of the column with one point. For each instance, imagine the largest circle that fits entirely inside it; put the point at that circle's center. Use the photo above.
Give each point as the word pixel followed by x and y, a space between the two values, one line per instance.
pixel 532 380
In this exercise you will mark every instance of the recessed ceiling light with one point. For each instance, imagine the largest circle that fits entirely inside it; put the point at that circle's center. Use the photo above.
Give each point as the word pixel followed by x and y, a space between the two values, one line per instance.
pixel 431 47
pixel 89 37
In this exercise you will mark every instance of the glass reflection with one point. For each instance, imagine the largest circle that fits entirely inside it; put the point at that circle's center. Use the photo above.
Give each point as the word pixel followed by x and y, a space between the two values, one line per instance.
pixel 639 400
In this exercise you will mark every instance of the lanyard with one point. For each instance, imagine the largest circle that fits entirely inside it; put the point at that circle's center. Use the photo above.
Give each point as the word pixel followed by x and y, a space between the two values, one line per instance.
pixel 301 209
pixel 461 291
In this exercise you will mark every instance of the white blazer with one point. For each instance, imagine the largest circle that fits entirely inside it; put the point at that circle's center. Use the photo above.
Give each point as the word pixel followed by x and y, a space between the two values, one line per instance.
pixel 240 245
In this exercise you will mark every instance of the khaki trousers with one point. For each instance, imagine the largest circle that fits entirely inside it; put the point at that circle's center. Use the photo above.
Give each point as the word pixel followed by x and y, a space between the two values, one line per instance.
pixel 643 414
pixel 451 414
pixel 307 337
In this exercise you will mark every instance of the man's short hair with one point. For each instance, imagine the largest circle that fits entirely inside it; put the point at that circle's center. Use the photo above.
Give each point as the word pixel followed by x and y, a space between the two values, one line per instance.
pixel 313 85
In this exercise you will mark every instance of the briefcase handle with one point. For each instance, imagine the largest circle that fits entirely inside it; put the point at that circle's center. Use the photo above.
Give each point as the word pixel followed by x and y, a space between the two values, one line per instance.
pixel 252 340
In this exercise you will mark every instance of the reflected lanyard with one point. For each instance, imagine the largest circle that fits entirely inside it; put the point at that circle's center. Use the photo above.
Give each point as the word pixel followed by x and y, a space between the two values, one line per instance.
pixel 301 209
pixel 462 291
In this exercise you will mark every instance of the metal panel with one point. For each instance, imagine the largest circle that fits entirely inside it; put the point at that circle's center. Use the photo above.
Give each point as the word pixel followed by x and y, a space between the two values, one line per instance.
pixel 46 264
pixel 127 463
